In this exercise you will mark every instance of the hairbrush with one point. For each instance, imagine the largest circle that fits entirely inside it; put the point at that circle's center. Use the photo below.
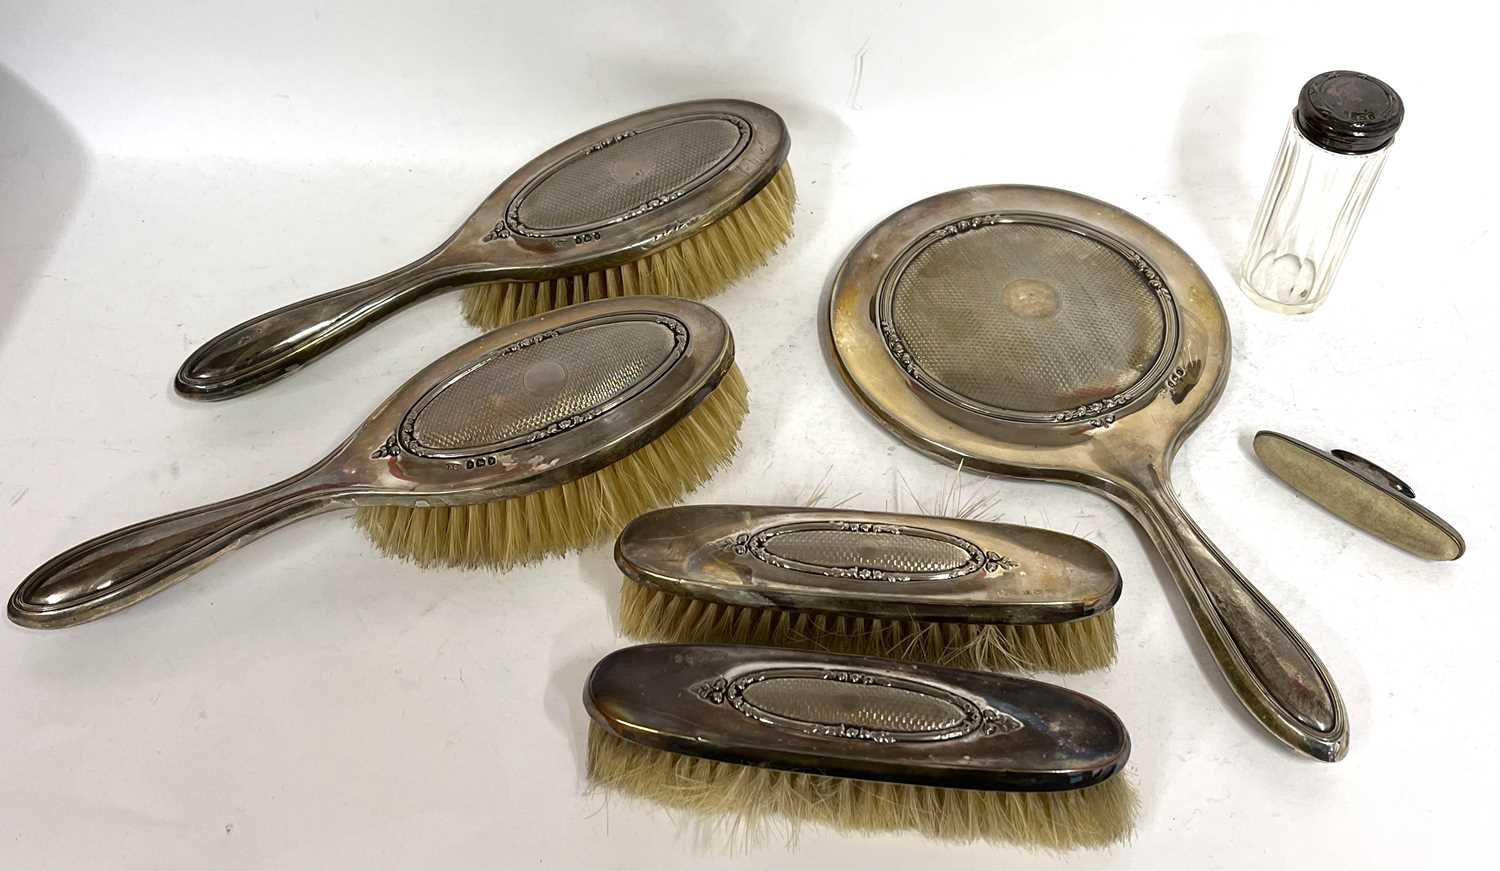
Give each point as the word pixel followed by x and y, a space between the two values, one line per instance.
pixel 680 200
pixel 966 593
pixel 754 737
pixel 536 438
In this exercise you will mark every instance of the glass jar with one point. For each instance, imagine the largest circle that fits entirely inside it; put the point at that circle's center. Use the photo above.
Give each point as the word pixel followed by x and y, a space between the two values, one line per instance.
pixel 1331 154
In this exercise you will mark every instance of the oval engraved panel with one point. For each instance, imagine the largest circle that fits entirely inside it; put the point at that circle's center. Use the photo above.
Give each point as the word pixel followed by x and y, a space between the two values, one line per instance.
pixel 865 706
pixel 628 175
pixel 543 385
pixel 868 551
pixel 853 704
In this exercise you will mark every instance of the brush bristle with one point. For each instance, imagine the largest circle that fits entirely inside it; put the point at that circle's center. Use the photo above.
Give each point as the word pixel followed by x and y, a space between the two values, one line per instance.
pixel 559 519
pixel 699 266
pixel 751 803
pixel 651 614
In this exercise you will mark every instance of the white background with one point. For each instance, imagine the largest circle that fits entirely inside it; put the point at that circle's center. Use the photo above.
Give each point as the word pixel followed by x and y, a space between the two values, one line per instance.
pixel 170 169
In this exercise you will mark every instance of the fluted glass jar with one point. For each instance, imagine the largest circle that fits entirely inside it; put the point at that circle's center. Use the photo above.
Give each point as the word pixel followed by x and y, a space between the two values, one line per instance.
pixel 1331 155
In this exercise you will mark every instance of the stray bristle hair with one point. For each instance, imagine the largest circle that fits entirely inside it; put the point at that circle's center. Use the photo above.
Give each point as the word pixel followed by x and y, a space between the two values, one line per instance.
pixel 699 266
pixel 651 614
pixel 569 516
pixel 750 803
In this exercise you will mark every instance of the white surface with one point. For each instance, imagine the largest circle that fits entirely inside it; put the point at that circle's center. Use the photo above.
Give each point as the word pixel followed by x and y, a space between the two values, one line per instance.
pixel 167 171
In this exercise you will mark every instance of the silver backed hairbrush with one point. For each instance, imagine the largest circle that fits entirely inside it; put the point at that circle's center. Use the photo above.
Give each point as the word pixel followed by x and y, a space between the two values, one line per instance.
pixel 679 200
pixel 967 593
pixel 533 439
pixel 757 736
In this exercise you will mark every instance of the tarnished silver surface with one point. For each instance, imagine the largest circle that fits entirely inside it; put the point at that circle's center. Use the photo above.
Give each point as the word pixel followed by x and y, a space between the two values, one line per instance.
pixel 866 563
pixel 562 410
pixel 973 322
pixel 657 163
pixel 1002 399
pixel 607 196
pixel 856 716
pixel 1361 493
pixel 562 376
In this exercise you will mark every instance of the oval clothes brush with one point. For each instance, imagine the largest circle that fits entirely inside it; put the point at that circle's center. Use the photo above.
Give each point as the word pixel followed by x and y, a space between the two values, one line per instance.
pixel 752 737
pixel 534 439
pixel 679 200
pixel 965 593
pixel 1361 493
pixel 1039 333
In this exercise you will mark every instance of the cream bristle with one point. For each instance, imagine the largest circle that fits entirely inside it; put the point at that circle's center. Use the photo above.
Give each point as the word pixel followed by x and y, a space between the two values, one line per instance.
pixel 576 514
pixel 699 266
pixel 650 614
pixel 750 803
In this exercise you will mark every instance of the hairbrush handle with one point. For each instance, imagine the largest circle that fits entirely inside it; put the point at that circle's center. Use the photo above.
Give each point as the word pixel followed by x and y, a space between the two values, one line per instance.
pixel 273 345
pixel 1272 670
pixel 120 568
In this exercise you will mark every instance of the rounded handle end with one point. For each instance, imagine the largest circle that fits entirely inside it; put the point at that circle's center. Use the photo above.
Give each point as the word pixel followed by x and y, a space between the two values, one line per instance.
pixel 247 357
pixel 118 569
pixel 53 597
pixel 276 344
pixel 202 383
pixel 24 612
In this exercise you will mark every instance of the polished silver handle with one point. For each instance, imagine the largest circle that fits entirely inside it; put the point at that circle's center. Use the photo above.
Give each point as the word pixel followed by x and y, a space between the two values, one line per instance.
pixel 120 568
pixel 1272 670
pixel 273 345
